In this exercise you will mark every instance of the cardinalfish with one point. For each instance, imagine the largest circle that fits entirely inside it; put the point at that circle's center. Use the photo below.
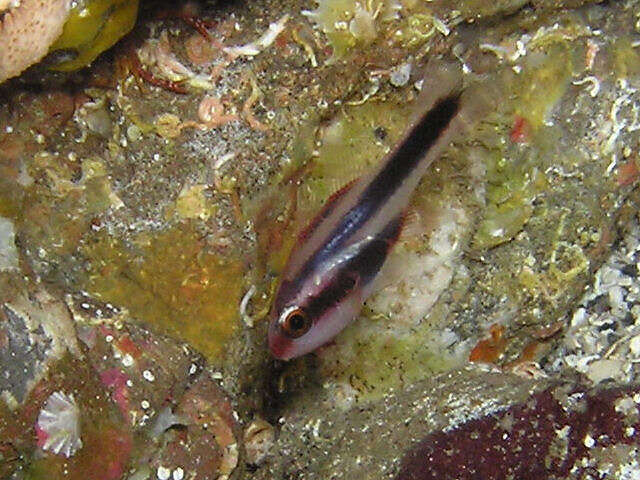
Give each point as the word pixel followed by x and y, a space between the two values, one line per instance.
pixel 338 256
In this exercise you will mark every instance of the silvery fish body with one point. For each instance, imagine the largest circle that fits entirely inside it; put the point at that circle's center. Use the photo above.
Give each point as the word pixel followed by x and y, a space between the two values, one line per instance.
pixel 331 271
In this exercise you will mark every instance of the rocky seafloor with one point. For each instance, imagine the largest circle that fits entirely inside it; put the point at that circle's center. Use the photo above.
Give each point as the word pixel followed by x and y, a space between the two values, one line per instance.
pixel 148 204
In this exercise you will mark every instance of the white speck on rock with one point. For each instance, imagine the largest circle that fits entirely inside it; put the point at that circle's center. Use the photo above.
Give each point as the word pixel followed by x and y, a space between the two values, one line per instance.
pixel 634 345
pixel 178 474
pixel 604 369
pixel 163 473
pixel 616 297
pixel 625 405
pixel 8 250
pixel 400 75
pixel 579 317
pixel 265 40
pixel 563 432
pixel 127 360
pixel 589 441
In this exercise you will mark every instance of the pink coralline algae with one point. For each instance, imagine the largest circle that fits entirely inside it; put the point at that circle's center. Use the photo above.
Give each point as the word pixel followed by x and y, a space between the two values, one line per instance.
pixel 548 437
pixel 116 380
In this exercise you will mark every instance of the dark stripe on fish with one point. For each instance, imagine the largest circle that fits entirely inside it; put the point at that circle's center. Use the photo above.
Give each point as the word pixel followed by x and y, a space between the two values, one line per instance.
pixel 358 271
pixel 411 151
pixel 399 165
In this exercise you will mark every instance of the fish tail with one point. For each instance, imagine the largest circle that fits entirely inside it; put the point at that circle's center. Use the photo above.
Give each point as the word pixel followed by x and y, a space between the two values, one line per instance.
pixel 457 106
pixel 440 80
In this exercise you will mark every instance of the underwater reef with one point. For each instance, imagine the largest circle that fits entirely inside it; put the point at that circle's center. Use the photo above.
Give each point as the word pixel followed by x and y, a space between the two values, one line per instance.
pixel 152 188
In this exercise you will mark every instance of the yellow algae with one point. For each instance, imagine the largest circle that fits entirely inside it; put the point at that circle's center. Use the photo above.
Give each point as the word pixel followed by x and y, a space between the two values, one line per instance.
pixel 93 168
pixel 626 57
pixel 542 85
pixel 191 203
pixel 515 171
pixel 10 199
pixel 546 37
pixel 170 280
pixel 417 29
pixel 168 125
pixel 557 272
pixel 92 28
pixel 512 185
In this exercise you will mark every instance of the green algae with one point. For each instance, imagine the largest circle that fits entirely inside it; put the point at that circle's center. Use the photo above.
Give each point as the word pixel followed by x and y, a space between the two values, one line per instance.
pixel 626 57
pixel 169 280
pixel 416 29
pixel 512 185
pixel 374 362
pixel 351 23
pixel 552 277
pixel 542 84
pixel 515 173
pixel 333 18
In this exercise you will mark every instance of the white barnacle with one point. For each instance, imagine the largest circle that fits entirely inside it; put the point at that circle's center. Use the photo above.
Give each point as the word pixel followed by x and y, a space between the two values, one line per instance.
pixel 59 421
pixel 259 438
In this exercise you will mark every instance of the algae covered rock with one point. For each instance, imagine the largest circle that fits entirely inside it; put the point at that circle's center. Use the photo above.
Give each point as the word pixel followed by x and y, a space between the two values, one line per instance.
pixel 147 215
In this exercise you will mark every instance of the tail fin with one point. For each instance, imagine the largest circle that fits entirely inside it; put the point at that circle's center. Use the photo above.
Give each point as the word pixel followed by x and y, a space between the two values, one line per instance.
pixel 443 79
pixel 440 80
pixel 443 84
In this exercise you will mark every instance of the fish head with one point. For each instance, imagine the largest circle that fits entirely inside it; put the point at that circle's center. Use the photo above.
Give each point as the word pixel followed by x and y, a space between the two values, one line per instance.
pixel 301 322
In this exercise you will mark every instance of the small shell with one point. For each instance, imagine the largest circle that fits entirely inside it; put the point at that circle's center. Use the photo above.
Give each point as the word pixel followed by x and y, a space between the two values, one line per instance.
pixel 58 425
pixel 259 437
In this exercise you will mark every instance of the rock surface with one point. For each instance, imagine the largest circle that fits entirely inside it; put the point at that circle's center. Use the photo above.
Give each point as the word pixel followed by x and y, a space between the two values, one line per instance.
pixel 147 206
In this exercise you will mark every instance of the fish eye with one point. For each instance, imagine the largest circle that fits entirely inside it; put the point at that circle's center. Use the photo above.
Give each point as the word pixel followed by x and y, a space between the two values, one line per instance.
pixel 295 323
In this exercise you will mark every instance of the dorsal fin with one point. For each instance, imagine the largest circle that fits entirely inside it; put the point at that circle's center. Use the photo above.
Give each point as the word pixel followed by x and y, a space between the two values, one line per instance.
pixel 326 210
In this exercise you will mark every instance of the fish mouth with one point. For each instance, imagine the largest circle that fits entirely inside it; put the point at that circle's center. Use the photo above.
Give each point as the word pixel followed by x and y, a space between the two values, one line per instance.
pixel 279 346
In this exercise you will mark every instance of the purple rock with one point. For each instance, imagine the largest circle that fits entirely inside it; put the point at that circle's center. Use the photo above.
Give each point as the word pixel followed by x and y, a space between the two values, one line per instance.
pixel 549 435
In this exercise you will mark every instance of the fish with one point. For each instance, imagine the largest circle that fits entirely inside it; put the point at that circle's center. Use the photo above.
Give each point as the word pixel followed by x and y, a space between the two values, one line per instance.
pixel 333 268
